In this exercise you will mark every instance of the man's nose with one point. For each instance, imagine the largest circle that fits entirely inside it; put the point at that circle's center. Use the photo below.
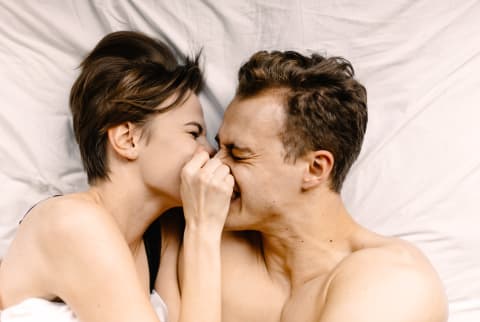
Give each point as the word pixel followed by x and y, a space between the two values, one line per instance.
pixel 222 156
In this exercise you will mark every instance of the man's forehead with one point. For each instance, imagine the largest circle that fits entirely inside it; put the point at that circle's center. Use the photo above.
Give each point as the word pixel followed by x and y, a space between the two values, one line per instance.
pixel 256 115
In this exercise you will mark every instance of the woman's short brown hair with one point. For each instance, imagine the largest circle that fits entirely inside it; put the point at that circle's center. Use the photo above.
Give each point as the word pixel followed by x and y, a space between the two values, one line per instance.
pixel 125 79
pixel 325 106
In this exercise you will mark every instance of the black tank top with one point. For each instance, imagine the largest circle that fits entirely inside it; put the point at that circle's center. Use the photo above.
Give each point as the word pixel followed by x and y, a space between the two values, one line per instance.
pixel 153 244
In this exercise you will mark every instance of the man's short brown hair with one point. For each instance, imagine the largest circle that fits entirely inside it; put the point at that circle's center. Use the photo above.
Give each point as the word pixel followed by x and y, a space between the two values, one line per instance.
pixel 124 79
pixel 325 107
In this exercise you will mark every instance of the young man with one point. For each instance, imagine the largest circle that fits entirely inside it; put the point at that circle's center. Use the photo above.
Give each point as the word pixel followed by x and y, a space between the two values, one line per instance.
pixel 290 136
pixel 291 252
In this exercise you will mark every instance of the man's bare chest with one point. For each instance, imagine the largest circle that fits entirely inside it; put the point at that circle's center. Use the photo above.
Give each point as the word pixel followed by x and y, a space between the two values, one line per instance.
pixel 262 301
pixel 306 303
pixel 250 296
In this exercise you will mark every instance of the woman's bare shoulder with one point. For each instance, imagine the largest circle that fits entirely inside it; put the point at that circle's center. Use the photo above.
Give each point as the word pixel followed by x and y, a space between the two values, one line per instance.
pixel 65 206
pixel 69 214
pixel 68 226
pixel 55 235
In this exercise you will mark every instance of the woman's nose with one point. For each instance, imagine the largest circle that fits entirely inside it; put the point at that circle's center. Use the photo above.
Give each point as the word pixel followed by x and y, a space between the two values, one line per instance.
pixel 209 148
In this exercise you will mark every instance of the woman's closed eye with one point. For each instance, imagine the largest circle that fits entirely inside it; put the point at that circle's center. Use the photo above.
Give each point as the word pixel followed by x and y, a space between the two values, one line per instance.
pixel 194 129
pixel 195 134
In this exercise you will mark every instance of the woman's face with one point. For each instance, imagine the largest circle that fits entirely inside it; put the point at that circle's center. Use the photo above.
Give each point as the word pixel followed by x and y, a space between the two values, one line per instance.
pixel 171 140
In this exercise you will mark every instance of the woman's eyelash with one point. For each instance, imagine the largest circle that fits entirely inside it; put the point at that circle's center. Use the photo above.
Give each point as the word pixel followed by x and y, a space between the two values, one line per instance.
pixel 194 134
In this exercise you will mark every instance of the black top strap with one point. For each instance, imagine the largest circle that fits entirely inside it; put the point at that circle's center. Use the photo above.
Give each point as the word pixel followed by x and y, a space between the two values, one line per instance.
pixel 153 244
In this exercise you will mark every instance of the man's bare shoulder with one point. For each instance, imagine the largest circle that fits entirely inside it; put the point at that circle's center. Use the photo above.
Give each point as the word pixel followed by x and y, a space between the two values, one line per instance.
pixel 392 281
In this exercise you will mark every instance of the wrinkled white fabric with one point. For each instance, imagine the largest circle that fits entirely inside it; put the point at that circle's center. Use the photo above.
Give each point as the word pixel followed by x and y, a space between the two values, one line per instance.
pixel 36 309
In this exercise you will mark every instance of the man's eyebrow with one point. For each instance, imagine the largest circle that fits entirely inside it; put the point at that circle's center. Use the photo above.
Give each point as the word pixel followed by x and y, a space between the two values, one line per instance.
pixel 198 125
pixel 231 146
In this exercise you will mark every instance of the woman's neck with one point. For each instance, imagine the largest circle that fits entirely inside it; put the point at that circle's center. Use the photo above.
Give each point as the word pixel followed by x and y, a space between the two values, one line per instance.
pixel 131 205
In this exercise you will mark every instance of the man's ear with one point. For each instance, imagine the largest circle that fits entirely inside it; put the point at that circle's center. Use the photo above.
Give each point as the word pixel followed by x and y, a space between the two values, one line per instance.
pixel 320 165
pixel 124 140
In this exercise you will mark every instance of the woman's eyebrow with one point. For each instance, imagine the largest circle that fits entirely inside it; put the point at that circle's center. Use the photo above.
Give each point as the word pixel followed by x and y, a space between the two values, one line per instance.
pixel 198 125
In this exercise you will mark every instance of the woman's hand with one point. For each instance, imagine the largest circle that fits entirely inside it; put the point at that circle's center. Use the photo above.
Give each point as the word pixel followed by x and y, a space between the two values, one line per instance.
pixel 206 190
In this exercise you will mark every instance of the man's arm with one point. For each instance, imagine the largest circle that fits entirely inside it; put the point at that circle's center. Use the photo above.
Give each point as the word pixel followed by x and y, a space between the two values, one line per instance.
pixel 374 286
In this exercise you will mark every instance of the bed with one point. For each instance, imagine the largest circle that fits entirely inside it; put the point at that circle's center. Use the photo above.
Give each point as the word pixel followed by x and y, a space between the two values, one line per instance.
pixel 418 176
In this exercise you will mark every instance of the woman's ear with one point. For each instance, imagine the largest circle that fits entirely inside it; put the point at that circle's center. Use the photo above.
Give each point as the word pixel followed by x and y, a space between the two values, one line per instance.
pixel 320 165
pixel 124 140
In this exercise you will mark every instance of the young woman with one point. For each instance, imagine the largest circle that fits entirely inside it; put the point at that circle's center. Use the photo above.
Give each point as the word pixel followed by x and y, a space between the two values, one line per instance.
pixel 88 255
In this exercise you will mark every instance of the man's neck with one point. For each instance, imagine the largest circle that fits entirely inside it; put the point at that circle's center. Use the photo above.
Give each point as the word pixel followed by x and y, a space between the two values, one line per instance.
pixel 309 240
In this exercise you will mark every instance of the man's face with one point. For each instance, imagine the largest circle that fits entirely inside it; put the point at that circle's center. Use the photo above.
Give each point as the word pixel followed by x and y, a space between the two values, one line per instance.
pixel 249 143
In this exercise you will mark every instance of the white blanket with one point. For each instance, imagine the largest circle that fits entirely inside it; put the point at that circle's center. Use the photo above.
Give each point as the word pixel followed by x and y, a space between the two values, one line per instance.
pixel 37 309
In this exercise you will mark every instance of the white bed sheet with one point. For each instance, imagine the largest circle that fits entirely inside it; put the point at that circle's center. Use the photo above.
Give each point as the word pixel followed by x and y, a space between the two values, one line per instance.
pixel 37 309
pixel 418 175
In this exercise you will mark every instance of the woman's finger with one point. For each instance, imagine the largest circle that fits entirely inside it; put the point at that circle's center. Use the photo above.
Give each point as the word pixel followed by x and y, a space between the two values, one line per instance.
pixel 221 171
pixel 198 161
pixel 211 166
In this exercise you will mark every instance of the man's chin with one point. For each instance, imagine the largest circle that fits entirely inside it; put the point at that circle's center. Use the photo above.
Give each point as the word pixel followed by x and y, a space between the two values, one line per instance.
pixel 233 216
pixel 237 220
pixel 234 226
pixel 234 208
